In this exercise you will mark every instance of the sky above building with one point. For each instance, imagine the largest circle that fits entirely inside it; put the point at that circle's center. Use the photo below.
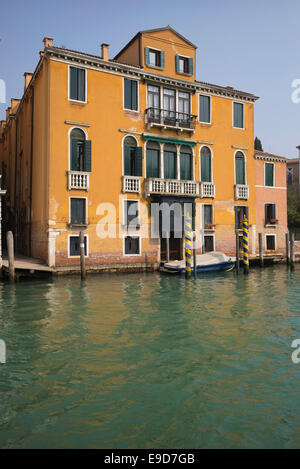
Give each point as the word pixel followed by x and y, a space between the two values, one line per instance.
pixel 251 45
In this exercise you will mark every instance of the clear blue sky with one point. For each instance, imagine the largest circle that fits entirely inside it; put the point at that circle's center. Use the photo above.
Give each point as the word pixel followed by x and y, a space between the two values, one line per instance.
pixel 252 45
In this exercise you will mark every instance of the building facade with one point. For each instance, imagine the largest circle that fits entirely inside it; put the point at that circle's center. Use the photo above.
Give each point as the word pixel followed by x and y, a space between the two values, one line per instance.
pixel 293 168
pixel 99 144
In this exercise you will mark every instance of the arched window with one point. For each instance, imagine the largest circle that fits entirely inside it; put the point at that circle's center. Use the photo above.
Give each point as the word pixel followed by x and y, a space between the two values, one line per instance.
pixel 153 163
pixel 186 163
pixel 240 173
pixel 133 158
pixel 206 172
pixel 170 162
pixel 80 151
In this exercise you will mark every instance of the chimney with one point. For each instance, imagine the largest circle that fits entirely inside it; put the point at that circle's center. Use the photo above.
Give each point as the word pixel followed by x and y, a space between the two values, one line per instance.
pixel 14 104
pixel 105 51
pixel 298 148
pixel 28 77
pixel 48 42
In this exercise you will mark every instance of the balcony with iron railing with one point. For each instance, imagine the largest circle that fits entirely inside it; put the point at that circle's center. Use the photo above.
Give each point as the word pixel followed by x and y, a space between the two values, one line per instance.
pixel 78 180
pixel 171 187
pixel 165 119
pixel 241 191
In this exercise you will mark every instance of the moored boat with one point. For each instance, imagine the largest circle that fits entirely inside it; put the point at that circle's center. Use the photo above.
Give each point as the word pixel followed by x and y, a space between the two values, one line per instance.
pixel 209 262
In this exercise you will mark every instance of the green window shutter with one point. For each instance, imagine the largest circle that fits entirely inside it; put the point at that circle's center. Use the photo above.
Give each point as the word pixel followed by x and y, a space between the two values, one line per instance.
pixel 127 161
pixel 190 66
pixel 78 211
pixel 204 108
pixel 169 165
pixel 139 161
pixel 238 115
pixel 81 84
pixel 152 163
pixel 185 166
pixel 269 174
pixel 205 167
pixel 162 59
pixel 74 154
pixel 239 170
pixel 127 93
pixel 146 55
pixel 134 95
pixel 273 212
pixel 177 63
pixel 73 83
pixel 88 156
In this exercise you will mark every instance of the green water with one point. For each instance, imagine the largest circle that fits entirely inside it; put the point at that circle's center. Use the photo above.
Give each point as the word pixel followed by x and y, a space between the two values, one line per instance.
pixel 150 361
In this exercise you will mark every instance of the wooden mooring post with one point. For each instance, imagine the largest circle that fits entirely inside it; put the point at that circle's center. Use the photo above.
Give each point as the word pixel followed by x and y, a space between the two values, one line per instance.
pixel 260 245
pixel 287 248
pixel 168 246
pixel 246 245
pixel 237 252
pixel 11 256
pixel 82 255
pixel 292 251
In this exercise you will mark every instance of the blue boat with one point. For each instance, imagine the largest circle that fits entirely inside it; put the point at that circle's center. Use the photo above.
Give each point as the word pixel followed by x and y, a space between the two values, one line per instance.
pixel 209 262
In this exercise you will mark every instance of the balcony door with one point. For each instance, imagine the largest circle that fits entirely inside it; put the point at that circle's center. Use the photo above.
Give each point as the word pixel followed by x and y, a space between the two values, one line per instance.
pixel 154 103
pixel 170 162
pixel 169 107
pixel 184 108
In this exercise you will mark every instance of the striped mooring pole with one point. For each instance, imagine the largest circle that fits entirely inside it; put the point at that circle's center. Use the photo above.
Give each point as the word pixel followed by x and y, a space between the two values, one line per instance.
pixel 188 246
pixel 245 245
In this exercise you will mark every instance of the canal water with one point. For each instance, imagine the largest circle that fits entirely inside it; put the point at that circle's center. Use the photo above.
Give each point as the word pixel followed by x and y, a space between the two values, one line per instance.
pixel 151 361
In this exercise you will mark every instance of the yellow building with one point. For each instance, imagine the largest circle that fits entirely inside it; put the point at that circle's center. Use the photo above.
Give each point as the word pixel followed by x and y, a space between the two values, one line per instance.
pixel 96 143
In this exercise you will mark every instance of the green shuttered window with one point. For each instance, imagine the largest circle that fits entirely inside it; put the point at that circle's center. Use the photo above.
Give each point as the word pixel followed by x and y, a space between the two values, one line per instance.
pixel 238 115
pixel 74 246
pixel 152 163
pixel 185 166
pixel 204 108
pixel 154 58
pixel 169 165
pixel 240 176
pixel 131 213
pixel 184 65
pixel 130 94
pixel 133 158
pixel 132 245
pixel 77 84
pixel 81 152
pixel 269 174
pixel 78 209
pixel 206 175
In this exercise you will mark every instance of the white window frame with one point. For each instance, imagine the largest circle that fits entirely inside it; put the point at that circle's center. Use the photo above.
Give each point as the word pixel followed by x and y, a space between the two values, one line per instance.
pixel 69 74
pixel 270 234
pixel 185 57
pixel 69 142
pixel 124 212
pixel 203 241
pixel 158 67
pixel 210 105
pixel 86 207
pixel 238 102
pixel 138 94
pixel 75 235
pixel 202 215
pixel 140 244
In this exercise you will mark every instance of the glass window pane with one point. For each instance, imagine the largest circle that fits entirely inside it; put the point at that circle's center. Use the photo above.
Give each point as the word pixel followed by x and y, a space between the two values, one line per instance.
pixel 204 108
pixel 238 115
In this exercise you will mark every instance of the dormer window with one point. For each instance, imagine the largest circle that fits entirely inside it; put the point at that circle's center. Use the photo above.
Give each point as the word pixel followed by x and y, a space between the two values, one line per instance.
pixel 184 65
pixel 154 58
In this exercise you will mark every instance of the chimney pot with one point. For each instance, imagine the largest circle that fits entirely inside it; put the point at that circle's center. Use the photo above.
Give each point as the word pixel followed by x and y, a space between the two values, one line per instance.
pixel 28 77
pixel 105 51
pixel 48 42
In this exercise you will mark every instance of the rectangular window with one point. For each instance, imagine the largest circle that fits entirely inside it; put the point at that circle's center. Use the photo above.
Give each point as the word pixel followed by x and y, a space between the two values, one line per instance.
pixel 153 163
pixel 132 245
pixel 131 213
pixel 170 165
pixel 270 242
pixel 74 246
pixel 238 115
pixel 186 166
pixel 207 216
pixel 78 211
pixel 184 65
pixel 269 174
pixel 130 94
pixel 77 84
pixel 240 211
pixel 208 244
pixel 81 155
pixel 154 57
pixel 270 214
pixel 204 108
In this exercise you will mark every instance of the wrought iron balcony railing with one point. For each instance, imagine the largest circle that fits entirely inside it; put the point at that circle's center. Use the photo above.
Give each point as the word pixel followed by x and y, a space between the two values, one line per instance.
pixel 165 118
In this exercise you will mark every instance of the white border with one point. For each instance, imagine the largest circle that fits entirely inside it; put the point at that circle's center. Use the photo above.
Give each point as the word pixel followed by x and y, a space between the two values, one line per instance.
pixel 69 73
pixel 87 245
pixel 86 207
pixel 270 234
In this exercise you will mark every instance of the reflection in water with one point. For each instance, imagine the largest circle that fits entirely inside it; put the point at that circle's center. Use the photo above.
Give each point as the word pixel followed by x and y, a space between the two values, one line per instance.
pixel 151 361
